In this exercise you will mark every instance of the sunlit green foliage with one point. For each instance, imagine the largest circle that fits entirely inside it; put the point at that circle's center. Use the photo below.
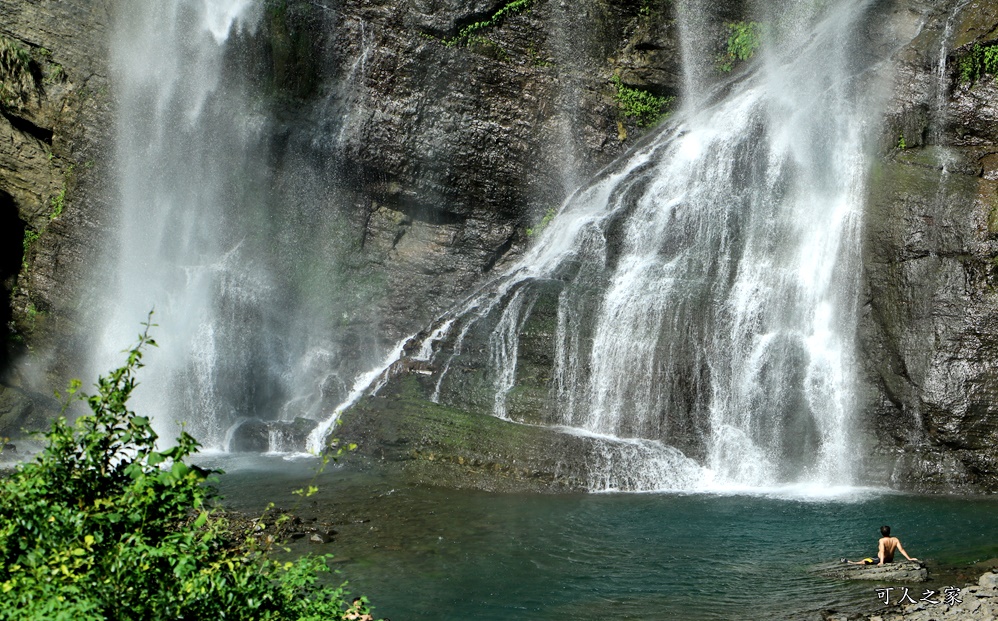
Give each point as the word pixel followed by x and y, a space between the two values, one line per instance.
pixel 640 105
pixel 744 39
pixel 979 60
pixel 102 525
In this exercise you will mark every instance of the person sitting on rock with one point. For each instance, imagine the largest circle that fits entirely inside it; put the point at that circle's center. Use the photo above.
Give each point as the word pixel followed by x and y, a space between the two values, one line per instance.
pixel 885 550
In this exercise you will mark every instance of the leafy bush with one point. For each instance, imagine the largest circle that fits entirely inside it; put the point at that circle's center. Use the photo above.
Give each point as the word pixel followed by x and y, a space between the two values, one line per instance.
pixel 103 526
pixel 979 60
pixel 646 109
pixel 743 41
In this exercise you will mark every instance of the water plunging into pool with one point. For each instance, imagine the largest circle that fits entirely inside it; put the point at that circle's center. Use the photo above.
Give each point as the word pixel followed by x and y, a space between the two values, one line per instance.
pixel 707 283
pixel 238 254
pixel 184 137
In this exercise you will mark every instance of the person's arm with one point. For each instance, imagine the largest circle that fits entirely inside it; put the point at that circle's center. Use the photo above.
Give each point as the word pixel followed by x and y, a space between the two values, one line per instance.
pixel 881 552
pixel 901 550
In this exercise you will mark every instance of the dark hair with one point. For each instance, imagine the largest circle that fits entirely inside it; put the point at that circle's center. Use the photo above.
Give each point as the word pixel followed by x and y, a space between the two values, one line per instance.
pixel 885 531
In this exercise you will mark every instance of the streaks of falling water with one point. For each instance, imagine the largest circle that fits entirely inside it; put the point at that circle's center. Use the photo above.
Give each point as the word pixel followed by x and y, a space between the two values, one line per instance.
pixel 183 135
pixel 709 281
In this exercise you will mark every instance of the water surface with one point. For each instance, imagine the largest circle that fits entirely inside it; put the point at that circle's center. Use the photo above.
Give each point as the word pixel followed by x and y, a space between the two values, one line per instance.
pixel 430 553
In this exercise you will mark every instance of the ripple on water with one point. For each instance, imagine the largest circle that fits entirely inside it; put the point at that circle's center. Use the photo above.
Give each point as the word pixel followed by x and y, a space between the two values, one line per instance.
pixel 431 553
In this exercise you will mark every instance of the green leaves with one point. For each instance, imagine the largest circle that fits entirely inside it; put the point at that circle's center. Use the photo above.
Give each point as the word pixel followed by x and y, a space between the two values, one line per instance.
pixel 467 33
pixel 104 526
pixel 978 61
pixel 641 106
pixel 744 39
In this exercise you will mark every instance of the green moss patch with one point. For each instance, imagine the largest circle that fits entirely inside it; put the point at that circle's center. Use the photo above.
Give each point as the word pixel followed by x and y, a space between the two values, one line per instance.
pixel 431 443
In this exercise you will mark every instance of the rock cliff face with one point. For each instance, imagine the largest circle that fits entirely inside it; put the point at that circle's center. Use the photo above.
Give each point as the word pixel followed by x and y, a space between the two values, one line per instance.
pixel 54 116
pixel 929 330
pixel 439 148
pixel 444 146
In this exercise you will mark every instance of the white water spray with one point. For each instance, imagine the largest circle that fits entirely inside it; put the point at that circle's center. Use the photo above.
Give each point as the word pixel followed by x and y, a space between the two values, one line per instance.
pixel 183 138
pixel 709 283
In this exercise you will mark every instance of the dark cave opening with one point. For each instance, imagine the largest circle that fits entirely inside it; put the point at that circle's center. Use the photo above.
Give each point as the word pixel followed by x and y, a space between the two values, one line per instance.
pixel 11 256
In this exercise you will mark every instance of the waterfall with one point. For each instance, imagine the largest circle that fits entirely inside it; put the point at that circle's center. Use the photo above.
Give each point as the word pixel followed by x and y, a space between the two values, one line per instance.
pixel 942 74
pixel 707 284
pixel 183 138
pixel 237 246
pixel 700 294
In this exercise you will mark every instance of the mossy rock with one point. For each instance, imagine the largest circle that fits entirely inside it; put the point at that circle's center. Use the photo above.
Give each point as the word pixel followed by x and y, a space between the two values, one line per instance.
pixel 431 443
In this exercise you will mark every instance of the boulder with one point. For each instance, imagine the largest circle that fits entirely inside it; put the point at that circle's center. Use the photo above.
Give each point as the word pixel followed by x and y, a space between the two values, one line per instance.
pixel 904 571
pixel 252 435
pixel 989 581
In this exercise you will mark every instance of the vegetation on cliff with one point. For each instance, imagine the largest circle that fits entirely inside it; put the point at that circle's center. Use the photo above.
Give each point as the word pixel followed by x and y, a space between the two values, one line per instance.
pixel 15 73
pixel 104 526
pixel 639 105
pixel 468 33
pixel 978 61
pixel 743 40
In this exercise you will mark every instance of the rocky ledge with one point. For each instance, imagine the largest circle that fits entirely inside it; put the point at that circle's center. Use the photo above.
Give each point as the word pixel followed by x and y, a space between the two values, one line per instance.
pixel 972 603
pixel 892 572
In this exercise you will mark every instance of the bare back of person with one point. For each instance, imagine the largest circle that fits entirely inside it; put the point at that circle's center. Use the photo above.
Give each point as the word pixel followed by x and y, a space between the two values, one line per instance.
pixel 887 547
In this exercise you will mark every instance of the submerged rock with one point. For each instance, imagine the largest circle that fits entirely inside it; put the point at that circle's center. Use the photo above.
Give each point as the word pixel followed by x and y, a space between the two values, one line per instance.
pixel 251 436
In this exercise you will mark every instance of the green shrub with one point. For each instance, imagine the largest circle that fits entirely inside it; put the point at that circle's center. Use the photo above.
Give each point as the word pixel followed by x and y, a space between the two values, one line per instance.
pixel 641 106
pixel 101 525
pixel 977 61
pixel 744 39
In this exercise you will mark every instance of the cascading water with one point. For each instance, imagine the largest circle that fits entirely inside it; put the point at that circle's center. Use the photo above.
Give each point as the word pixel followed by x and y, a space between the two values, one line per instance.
pixel 183 140
pixel 237 253
pixel 703 290
pixel 707 285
